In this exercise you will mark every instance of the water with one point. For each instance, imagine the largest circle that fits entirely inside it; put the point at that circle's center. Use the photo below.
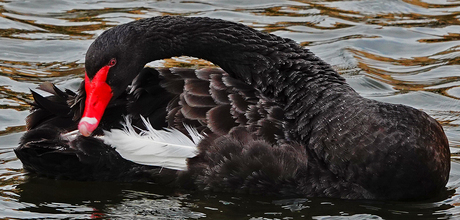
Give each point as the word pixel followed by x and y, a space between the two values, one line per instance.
pixel 394 51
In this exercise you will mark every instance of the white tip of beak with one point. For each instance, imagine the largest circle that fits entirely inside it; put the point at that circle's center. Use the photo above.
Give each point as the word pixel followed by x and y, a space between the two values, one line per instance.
pixel 87 126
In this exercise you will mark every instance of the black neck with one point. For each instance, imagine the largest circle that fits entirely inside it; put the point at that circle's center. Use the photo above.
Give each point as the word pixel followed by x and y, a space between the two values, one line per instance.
pixel 276 66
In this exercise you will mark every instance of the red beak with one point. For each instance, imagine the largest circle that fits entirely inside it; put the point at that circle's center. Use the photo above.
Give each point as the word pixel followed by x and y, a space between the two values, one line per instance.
pixel 98 95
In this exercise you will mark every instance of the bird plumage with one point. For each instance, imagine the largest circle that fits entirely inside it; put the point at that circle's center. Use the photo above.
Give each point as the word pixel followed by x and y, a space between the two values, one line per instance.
pixel 167 148
pixel 275 119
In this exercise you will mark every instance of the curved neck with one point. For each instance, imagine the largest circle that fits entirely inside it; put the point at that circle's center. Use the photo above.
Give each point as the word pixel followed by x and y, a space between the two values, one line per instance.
pixel 276 66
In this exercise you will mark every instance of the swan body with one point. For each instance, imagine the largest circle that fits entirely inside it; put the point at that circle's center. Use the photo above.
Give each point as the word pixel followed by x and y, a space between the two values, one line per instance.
pixel 275 119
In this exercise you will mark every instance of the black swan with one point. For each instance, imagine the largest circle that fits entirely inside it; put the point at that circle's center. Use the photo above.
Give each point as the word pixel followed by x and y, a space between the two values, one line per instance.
pixel 274 120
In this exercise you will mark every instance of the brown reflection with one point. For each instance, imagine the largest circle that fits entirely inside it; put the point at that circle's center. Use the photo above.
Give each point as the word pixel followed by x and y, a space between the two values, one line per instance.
pixel 15 129
pixel 414 61
pixel 296 11
pixel 344 38
pixel 446 118
pixel 32 72
pixel 443 38
pixel 366 58
pixel 431 5
pixel 186 62
pixel 68 31
pixel 22 100
pixel 396 18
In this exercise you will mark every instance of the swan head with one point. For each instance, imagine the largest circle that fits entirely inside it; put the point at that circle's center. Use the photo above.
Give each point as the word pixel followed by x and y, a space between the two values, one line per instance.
pixel 111 65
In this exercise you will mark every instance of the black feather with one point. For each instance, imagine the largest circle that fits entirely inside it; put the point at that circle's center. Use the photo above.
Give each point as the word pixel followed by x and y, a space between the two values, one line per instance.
pixel 277 119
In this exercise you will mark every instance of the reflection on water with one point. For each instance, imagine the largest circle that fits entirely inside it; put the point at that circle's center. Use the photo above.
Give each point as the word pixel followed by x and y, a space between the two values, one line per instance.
pixel 394 51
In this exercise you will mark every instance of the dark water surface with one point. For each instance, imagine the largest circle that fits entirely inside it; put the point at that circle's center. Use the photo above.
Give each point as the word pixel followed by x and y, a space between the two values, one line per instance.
pixel 394 51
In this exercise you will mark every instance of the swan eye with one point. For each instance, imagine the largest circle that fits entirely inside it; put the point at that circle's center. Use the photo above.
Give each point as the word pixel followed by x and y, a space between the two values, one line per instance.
pixel 112 62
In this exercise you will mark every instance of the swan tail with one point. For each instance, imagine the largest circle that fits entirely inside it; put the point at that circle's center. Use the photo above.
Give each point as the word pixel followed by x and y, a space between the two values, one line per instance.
pixel 167 148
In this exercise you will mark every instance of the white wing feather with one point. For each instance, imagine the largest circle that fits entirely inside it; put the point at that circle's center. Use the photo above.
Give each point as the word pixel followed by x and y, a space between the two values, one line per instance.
pixel 167 148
